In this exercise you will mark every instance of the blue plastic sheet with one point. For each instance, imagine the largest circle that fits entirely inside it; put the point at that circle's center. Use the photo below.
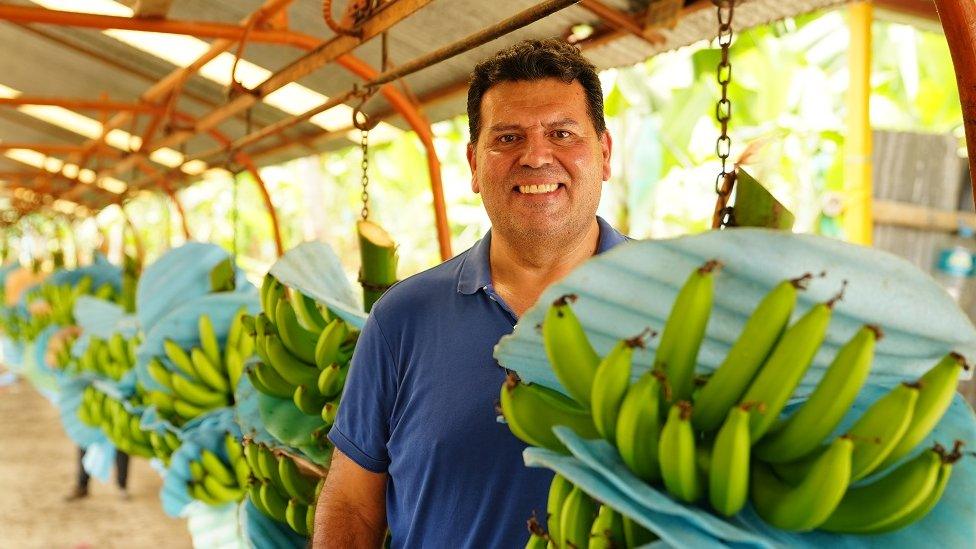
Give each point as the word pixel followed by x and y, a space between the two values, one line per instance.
pixel 633 286
pixel 13 353
pixel 263 532
pixel 206 431
pixel 215 527
pixel 315 270
pixel 103 318
pixel 179 276
pixel 98 460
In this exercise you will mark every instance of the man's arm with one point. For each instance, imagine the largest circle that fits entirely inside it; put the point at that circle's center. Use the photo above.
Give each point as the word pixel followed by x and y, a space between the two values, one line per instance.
pixel 351 511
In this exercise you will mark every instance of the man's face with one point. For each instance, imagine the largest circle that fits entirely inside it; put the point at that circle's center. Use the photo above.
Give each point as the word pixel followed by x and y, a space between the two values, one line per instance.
pixel 539 163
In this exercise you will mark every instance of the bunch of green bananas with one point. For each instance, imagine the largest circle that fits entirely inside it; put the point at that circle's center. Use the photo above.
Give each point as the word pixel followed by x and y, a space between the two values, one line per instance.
pixel 721 439
pixel 304 350
pixel 281 489
pixel 204 378
pixel 219 479
pixel 61 348
pixel 112 358
pixel 50 304
pixel 164 444
pixel 121 427
pixel 577 520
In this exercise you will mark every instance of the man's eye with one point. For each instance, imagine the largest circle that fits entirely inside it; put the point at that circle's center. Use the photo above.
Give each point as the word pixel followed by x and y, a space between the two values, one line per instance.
pixel 507 138
pixel 561 134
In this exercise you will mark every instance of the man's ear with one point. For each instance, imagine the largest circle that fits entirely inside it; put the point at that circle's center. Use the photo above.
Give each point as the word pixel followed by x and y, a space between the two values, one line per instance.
pixel 473 164
pixel 606 146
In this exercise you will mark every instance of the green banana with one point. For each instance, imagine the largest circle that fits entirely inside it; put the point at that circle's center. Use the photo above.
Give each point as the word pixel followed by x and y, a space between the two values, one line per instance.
pixel 639 425
pixel 532 410
pixel 295 484
pixel 307 312
pixel 607 531
pixel 172 441
pixel 186 410
pixel 266 379
pixel 241 470
pixel 872 508
pixel 274 502
pixel 310 520
pixel 268 465
pixel 254 494
pixel 329 412
pixel 234 449
pixel 295 517
pixel 160 374
pixel 196 470
pixel 728 471
pixel 677 352
pixel 117 350
pixel 785 367
pixel 569 351
pixel 200 493
pixel 179 358
pixel 197 394
pixel 208 341
pixel 610 385
pixel 576 519
pixel 288 366
pixel 676 454
pixel 299 341
pixel 558 490
pixel 636 535
pixel 217 468
pixel 938 388
pixel 209 372
pixel 272 291
pixel 234 365
pixel 251 452
pixel 536 542
pixel 880 428
pixel 920 511
pixel 235 330
pixel 328 343
pixel 162 401
pixel 803 431
pixel 222 492
pixel 307 401
pixel 807 505
pixel 331 380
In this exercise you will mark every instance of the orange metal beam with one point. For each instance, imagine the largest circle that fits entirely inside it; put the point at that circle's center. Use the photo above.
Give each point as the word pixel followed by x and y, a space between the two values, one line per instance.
pixel 80 104
pixel 622 21
pixel 46 148
pixel 959 22
pixel 159 90
pixel 924 9
pixel 202 29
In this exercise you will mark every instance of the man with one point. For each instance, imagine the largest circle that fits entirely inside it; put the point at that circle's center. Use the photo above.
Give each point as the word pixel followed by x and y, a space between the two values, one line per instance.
pixel 418 446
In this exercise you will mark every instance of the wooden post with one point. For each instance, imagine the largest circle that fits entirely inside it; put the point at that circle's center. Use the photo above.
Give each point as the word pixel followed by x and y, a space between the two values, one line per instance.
pixel 857 146
pixel 959 22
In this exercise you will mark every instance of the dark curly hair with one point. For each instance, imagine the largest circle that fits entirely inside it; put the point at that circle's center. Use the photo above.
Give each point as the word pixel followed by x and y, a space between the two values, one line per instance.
pixel 535 60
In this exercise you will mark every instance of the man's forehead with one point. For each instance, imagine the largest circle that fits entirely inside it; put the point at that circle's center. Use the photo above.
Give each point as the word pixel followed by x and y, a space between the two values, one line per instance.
pixel 531 103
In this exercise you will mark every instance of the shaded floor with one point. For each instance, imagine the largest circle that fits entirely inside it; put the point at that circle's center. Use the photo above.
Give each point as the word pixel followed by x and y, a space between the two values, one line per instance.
pixel 37 469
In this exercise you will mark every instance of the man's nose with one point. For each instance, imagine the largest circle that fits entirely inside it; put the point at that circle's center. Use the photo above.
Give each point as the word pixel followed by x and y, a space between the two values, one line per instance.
pixel 536 152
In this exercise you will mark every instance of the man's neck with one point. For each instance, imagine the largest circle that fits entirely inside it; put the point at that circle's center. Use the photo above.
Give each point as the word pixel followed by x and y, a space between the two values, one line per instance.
pixel 521 272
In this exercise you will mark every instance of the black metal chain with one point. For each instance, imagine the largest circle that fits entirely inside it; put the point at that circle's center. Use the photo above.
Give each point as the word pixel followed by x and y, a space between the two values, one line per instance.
pixel 364 143
pixel 723 113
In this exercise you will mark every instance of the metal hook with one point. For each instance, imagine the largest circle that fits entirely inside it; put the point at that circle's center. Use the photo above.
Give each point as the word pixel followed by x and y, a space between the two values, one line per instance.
pixel 367 123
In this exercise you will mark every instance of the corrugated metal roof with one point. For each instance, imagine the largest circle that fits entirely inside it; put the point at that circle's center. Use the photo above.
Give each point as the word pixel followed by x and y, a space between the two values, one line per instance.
pixel 50 60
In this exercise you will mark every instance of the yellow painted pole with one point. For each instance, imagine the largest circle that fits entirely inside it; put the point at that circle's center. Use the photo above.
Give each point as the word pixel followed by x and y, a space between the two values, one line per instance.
pixel 858 222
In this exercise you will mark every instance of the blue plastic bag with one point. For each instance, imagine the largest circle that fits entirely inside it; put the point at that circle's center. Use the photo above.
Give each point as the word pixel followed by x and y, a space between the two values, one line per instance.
pixel 206 431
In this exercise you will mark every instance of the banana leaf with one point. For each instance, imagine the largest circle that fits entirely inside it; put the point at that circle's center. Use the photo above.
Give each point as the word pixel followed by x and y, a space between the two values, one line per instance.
pixel 633 286
pixel 179 276
pixel 315 270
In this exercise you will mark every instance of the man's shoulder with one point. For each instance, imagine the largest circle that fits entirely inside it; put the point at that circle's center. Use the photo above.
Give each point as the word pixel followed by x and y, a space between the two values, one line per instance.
pixel 422 288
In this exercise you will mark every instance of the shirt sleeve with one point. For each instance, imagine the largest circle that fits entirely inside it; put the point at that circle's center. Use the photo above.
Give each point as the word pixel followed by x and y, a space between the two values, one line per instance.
pixel 362 427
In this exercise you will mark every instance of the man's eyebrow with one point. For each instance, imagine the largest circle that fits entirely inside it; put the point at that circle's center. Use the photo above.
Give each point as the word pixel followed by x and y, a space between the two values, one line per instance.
pixel 509 127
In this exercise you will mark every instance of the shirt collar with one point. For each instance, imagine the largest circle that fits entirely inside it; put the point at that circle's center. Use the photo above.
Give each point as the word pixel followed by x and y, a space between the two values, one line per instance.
pixel 475 271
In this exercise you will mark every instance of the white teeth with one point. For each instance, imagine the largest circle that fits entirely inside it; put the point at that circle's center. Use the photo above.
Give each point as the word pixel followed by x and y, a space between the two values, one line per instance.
pixel 538 189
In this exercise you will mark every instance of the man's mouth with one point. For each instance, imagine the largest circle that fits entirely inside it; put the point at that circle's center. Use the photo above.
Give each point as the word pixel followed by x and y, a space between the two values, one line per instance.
pixel 538 189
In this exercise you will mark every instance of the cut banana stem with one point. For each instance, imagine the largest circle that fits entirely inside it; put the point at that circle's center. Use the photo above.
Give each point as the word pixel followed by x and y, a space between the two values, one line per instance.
pixel 379 261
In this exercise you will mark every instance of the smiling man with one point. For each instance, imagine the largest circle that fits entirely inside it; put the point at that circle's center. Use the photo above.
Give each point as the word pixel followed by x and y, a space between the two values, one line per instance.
pixel 418 447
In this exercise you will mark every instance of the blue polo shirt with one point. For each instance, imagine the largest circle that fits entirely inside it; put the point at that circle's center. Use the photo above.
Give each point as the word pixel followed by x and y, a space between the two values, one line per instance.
pixel 419 404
